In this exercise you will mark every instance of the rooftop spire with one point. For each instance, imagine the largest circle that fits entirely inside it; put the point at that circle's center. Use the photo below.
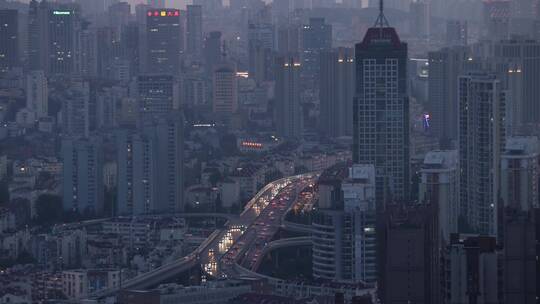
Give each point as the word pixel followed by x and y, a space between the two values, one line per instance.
pixel 381 20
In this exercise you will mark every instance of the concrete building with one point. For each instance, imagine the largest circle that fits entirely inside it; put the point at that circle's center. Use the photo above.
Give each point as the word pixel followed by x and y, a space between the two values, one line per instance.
pixel 457 32
pixel 496 17
pixel 9 39
pixel 445 66
pixel 164 38
pixel 344 227
pixel 63 33
pixel 336 94
pixel 214 292
pixel 157 94
pixel 225 90
pixel 82 175
pixel 520 235
pixel 520 169
pixel 381 110
pixel 405 255
pixel 481 140
pixel 420 19
pixel 37 93
pixel 78 284
pixel 212 51
pixel 288 115
pixel 316 36
pixel 439 186
pixel 76 110
pixel 472 273
pixel 194 30
pixel 150 167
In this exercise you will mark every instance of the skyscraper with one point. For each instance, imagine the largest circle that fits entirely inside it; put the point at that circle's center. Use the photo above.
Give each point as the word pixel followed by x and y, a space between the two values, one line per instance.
pixel 520 170
pixel 83 175
pixel 9 38
pixel 496 19
pixel 225 90
pixel 76 110
pixel 64 31
pixel 157 94
pixel 481 139
pixel 38 35
pixel 420 23
pixel 194 31
pixel 288 116
pixel 316 37
pixel 517 61
pixel 37 93
pixel 445 66
pixel 344 232
pixel 156 3
pixel 336 94
pixel 150 167
pixel 381 110
pixel 164 41
pixel 212 51
pixel 439 186
pixel 456 32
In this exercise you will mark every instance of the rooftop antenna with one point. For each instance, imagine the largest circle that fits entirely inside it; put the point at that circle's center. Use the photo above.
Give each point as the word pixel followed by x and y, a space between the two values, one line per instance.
pixel 381 22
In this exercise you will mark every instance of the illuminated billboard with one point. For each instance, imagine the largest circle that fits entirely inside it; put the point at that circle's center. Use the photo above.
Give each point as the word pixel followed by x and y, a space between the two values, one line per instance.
pixel 61 13
pixel 163 13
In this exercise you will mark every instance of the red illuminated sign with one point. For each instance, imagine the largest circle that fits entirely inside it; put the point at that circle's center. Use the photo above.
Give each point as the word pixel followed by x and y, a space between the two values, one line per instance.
pixel 250 144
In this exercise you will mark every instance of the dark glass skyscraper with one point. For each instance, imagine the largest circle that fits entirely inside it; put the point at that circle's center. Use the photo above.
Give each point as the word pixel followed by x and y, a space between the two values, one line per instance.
pixel 381 110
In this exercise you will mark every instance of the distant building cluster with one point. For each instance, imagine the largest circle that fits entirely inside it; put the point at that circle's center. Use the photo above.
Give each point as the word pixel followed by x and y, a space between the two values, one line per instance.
pixel 133 133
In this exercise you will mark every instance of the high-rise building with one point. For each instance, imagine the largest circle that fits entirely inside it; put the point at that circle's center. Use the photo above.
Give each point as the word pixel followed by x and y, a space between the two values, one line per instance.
pixel 381 110
pixel 420 23
pixel 261 45
pixel 9 38
pixel 288 39
pixel 225 90
pixel 405 255
pixel 456 32
pixel 119 15
pixel 520 236
pixel 157 94
pixel 496 19
pixel 445 66
pixel 472 270
pixel 64 31
pixel 37 93
pixel 164 41
pixel 316 37
pixel 344 235
pixel 336 93
pixel 53 36
pixel 212 51
pixel 288 115
pixel 359 202
pixel 194 31
pixel 156 3
pixel 520 172
pixel 38 13
pixel 439 187
pixel 150 167
pixel 481 140
pixel 83 175
pixel 76 110
pixel 517 61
